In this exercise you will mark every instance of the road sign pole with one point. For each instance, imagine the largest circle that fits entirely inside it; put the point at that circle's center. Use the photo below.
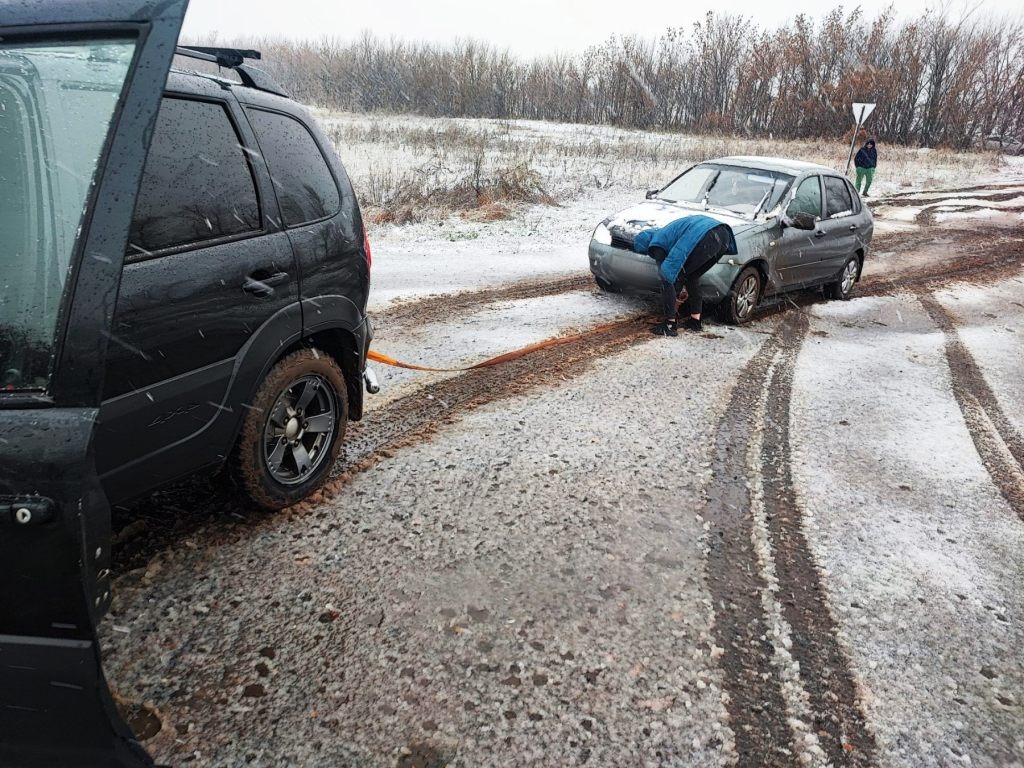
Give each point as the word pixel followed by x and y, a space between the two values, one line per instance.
pixel 853 142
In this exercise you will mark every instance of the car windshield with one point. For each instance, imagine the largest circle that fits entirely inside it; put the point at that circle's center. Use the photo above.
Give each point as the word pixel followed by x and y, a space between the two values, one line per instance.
pixel 56 103
pixel 743 190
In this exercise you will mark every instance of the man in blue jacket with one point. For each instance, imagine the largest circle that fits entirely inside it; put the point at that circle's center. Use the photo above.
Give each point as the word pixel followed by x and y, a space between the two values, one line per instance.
pixel 866 161
pixel 685 249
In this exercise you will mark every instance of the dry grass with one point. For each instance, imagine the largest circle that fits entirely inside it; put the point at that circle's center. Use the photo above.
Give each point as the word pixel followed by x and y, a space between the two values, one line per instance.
pixel 409 169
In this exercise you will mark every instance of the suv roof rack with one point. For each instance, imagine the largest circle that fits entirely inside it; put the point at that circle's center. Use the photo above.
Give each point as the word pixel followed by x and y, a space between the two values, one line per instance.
pixel 234 58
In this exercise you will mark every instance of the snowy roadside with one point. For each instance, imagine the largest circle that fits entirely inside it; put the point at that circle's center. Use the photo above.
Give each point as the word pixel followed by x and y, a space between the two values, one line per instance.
pixel 922 553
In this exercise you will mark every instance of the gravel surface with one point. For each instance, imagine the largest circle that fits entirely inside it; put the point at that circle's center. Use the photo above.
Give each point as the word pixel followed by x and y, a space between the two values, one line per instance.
pixel 796 543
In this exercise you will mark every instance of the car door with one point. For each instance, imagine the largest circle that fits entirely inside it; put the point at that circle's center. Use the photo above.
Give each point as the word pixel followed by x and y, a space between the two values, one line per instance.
pixel 79 90
pixel 799 250
pixel 206 269
pixel 839 226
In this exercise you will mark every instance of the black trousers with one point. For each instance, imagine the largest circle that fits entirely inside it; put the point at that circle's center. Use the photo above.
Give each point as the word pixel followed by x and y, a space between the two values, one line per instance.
pixel 702 258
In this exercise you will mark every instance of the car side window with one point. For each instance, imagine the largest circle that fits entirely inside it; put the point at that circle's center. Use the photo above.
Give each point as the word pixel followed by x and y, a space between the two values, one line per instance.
pixel 302 179
pixel 807 198
pixel 197 184
pixel 837 197
pixel 853 196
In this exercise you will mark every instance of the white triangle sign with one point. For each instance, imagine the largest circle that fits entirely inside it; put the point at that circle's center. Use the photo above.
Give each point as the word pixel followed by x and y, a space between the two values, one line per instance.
pixel 861 111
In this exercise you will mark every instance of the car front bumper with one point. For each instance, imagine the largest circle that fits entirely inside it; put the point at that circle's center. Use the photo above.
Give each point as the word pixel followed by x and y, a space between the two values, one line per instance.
pixel 630 271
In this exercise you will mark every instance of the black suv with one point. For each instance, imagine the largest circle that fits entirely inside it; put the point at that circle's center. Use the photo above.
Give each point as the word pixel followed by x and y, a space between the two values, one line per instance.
pixel 183 285
pixel 240 330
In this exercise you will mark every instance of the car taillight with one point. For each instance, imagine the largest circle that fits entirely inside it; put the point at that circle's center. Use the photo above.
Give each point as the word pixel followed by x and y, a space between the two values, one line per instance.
pixel 366 247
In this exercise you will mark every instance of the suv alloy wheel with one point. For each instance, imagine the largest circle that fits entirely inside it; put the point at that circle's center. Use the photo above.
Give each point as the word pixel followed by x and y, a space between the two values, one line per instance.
pixel 293 430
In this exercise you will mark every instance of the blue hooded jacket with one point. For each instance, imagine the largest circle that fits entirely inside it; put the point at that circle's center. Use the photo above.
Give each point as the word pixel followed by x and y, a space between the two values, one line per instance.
pixel 678 239
pixel 867 157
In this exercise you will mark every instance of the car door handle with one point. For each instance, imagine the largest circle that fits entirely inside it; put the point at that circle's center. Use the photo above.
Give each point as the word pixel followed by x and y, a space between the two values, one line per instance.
pixel 262 282
pixel 819 233
pixel 853 227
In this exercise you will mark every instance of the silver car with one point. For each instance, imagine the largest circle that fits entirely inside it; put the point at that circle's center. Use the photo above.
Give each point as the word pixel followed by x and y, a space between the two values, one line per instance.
pixel 797 226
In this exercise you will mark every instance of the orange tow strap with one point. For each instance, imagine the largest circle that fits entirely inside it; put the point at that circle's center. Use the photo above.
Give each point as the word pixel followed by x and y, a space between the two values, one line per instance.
pixel 515 355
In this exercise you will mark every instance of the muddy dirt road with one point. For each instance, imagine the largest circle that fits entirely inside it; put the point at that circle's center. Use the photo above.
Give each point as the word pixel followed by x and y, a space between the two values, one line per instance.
pixel 794 543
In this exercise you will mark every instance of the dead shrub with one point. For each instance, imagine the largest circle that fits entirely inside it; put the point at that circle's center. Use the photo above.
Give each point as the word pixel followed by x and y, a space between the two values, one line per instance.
pixel 488 212
pixel 476 194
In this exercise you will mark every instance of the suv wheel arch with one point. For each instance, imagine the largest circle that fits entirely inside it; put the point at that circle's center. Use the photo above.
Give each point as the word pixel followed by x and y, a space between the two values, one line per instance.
pixel 340 344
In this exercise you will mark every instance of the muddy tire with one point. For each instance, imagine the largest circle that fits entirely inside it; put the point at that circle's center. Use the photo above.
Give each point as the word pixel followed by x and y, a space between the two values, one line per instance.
pixel 607 287
pixel 744 296
pixel 843 287
pixel 293 430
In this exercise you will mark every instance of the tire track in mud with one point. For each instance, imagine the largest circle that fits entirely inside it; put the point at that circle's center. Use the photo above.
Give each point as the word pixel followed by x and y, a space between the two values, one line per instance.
pixel 433 309
pixel 756 703
pixel 757 709
pixel 1016 191
pixel 992 254
pixel 999 444
pixel 838 720
pixel 911 194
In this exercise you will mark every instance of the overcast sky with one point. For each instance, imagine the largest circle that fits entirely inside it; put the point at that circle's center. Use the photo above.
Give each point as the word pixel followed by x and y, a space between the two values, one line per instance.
pixel 528 27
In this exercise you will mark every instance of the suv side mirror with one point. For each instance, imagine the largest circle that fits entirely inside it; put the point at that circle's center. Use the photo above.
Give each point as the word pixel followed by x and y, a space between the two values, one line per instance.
pixel 802 221
pixel 652 193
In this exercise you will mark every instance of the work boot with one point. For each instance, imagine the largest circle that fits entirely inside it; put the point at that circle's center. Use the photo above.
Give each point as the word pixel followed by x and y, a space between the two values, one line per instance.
pixel 666 328
pixel 693 324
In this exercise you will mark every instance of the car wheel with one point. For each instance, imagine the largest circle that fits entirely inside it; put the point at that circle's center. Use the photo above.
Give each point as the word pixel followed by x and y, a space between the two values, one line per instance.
pixel 843 287
pixel 743 297
pixel 293 430
pixel 607 287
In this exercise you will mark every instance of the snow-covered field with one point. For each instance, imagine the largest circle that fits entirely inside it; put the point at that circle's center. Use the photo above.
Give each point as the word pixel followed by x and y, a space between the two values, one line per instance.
pixel 382 153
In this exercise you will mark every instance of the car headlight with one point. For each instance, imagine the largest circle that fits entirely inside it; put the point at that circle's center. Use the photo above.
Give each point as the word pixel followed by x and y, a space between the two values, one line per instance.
pixel 602 235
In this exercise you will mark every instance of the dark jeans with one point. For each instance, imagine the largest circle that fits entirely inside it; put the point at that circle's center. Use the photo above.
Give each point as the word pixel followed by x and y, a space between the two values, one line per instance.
pixel 702 258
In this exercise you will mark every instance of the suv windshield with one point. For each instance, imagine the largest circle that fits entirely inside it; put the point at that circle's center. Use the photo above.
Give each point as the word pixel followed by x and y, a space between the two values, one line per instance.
pixel 56 103
pixel 743 190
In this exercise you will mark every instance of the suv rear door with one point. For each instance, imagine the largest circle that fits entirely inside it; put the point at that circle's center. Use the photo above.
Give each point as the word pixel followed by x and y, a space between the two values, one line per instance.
pixel 98 68
pixel 209 273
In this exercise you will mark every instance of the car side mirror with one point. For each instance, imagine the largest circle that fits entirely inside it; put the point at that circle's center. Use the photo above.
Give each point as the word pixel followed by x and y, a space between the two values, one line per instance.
pixel 802 221
pixel 652 193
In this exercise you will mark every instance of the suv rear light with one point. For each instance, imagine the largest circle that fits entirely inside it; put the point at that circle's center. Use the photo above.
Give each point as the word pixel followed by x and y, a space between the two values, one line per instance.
pixel 366 247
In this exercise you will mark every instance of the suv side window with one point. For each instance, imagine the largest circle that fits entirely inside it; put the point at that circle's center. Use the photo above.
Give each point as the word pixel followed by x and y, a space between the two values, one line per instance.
pixel 304 183
pixel 807 199
pixel 837 197
pixel 197 185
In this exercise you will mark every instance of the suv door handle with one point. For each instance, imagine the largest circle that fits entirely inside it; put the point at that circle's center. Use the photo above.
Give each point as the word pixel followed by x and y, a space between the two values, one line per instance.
pixel 261 282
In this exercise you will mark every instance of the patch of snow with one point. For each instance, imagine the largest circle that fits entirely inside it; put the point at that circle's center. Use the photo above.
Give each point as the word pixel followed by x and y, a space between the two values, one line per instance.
pixel 884 474
pixel 893 213
pixel 974 213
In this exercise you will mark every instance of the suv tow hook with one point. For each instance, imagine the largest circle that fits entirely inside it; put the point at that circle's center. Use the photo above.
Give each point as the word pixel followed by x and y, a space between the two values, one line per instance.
pixel 370 378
